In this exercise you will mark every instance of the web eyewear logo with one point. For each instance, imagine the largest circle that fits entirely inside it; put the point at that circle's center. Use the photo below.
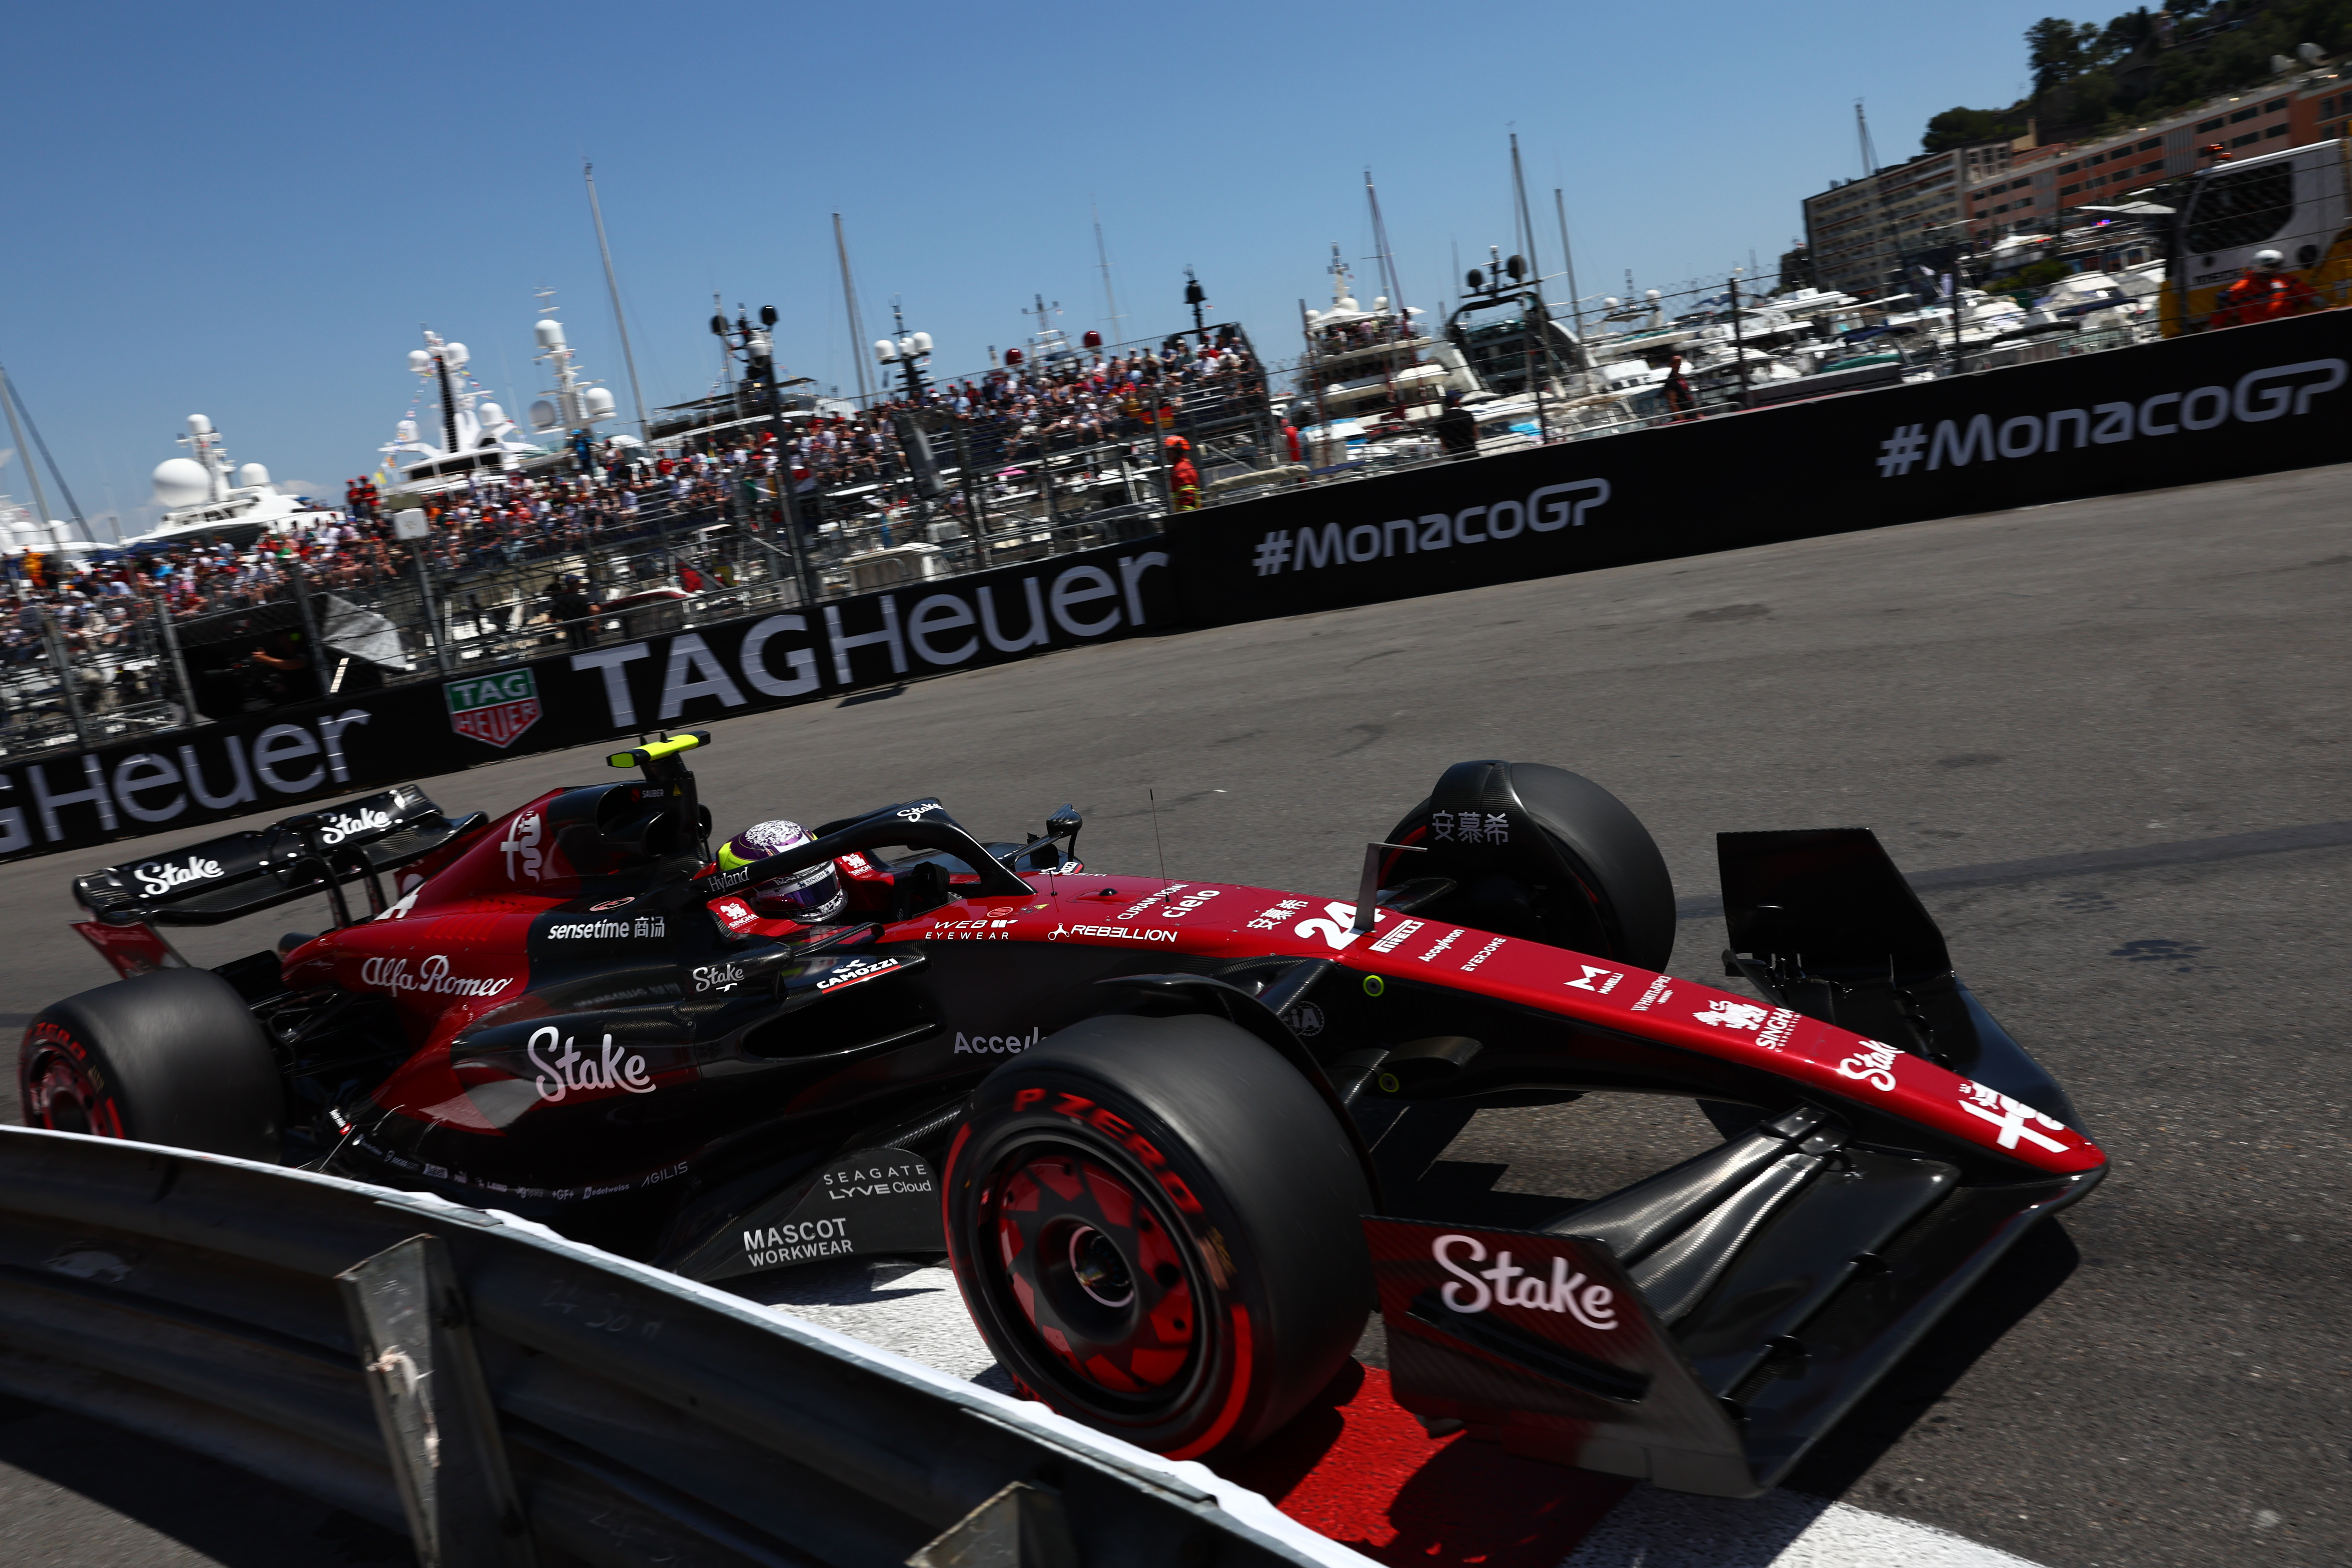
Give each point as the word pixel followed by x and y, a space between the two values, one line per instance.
pixel 1547 510
pixel 2257 397
pixel 494 709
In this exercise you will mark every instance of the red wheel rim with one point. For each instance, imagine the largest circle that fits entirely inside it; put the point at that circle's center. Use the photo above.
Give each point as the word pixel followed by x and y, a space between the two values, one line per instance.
pixel 60 1095
pixel 1093 1270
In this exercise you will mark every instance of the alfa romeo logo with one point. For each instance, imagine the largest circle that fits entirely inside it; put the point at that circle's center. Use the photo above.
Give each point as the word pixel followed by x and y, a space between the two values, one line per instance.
pixel 494 709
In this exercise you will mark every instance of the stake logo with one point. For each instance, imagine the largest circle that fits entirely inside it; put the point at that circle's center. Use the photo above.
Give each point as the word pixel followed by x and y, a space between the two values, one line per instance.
pixel 561 1074
pixel 718 976
pixel 1508 1285
pixel 494 709
pixel 346 824
pixel 157 877
pixel 1875 1067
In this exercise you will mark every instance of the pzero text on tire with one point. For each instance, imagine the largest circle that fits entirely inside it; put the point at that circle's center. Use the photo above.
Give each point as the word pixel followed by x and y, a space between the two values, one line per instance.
pixel 173 1057
pixel 1154 1222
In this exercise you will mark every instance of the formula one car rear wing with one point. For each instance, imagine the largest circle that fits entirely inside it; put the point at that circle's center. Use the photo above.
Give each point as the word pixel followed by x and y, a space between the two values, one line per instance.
pixel 240 874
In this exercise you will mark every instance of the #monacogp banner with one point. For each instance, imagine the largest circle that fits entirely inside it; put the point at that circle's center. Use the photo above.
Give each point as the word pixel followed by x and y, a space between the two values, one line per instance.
pixel 2217 406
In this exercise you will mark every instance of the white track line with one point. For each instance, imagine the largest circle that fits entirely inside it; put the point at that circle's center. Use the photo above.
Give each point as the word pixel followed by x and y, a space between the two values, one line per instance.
pixel 916 1312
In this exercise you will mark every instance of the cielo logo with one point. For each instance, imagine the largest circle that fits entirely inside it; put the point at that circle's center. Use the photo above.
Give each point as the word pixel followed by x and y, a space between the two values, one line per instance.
pixel 158 878
pixel 1508 1285
pixel 2274 392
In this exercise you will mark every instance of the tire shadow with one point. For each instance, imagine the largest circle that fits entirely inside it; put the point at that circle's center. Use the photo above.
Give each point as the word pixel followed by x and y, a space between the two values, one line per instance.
pixel 2040 1262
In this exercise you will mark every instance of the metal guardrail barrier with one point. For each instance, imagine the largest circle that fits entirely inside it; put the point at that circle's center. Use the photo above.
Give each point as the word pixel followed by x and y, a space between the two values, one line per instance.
pixel 502 1393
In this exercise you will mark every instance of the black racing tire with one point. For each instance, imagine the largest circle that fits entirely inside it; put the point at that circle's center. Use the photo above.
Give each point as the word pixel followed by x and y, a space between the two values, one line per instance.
pixel 1170 1199
pixel 173 1057
pixel 1621 877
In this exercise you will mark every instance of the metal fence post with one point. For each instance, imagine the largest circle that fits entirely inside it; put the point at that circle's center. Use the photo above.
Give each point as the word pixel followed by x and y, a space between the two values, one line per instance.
pixel 416 1341
pixel 436 633
pixel 302 577
pixel 57 645
pixel 169 637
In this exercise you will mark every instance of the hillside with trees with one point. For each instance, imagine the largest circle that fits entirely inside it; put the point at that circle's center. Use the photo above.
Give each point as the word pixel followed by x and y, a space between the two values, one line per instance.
pixel 2089 76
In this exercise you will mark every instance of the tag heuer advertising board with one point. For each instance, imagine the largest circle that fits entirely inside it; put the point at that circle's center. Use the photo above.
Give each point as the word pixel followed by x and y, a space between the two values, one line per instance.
pixel 494 709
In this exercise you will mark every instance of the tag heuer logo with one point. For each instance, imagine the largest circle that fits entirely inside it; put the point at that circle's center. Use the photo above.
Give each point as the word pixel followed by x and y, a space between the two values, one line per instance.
pixel 494 709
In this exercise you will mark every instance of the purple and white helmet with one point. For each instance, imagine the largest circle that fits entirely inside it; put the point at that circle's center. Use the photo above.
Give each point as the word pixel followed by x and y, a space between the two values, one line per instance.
pixel 809 896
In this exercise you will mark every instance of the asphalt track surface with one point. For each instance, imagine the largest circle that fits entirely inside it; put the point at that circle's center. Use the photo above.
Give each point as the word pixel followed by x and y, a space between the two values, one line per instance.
pixel 2113 734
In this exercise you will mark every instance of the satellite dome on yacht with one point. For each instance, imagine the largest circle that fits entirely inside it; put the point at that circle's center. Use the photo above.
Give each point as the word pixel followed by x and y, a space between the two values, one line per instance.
pixel 207 496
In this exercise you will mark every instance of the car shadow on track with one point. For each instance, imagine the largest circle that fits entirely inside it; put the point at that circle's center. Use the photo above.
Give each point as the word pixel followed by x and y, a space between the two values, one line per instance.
pixel 2034 1268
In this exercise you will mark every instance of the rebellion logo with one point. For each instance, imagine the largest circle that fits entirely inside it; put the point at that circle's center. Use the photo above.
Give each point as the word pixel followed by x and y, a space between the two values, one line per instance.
pixel 431 978
pixel 1508 1285
pixel 494 709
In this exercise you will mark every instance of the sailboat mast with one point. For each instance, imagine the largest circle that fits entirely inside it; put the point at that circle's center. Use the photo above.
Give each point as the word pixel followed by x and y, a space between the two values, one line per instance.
pixel 1568 260
pixel 32 471
pixel 1102 256
pixel 1389 284
pixel 73 506
pixel 613 286
pixel 849 298
pixel 1539 318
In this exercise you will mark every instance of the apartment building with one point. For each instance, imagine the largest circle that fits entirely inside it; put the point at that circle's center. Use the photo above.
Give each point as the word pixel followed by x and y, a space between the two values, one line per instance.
pixel 2042 184
pixel 1859 230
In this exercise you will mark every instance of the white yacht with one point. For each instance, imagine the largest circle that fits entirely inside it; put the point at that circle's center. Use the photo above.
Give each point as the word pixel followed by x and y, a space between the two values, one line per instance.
pixel 478 440
pixel 207 496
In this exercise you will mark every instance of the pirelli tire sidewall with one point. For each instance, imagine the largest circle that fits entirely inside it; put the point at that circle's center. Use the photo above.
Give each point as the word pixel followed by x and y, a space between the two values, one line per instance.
pixel 1232 1144
pixel 173 1057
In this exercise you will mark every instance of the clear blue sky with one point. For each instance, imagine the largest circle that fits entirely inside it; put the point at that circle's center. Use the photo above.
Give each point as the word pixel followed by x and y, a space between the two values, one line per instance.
pixel 247 210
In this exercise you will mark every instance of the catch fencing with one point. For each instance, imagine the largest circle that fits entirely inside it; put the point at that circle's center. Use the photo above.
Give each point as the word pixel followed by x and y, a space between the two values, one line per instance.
pixel 504 1394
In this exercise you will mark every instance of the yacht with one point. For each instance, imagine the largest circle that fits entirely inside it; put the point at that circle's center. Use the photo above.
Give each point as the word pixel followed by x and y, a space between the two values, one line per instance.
pixel 477 440
pixel 206 496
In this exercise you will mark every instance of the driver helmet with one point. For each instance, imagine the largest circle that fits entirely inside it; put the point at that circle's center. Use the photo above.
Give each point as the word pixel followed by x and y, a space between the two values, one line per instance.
pixel 809 896
pixel 2268 260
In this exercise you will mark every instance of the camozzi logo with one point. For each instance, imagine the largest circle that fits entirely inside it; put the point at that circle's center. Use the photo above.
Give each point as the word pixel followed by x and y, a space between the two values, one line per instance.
pixel 2275 391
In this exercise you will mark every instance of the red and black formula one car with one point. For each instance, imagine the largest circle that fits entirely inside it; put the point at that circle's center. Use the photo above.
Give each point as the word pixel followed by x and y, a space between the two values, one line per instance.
pixel 1167 1133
